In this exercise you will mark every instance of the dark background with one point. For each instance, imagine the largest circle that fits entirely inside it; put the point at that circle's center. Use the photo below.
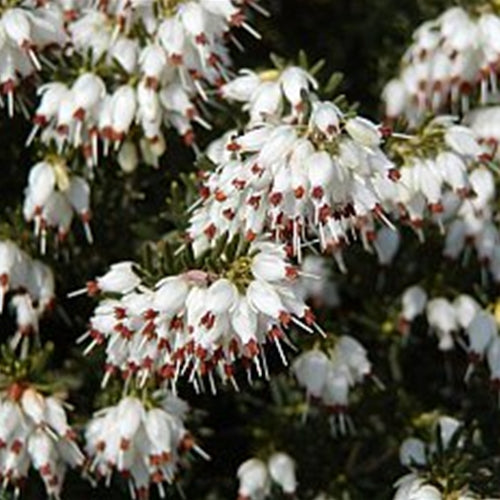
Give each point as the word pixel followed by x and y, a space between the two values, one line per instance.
pixel 364 40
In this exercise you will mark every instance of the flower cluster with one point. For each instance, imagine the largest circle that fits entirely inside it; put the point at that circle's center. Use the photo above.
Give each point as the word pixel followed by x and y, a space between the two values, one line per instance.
pixel 452 58
pixel 471 224
pixel 256 477
pixel 30 286
pixel 448 318
pixel 27 28
pixel 271 94
pixel 419 457
pixel 301 182
pixel 146 442
pixel 445 179
pixel 52 197
pixel 328 378
pixel 35 433
pixel 435 170
pixel 199 322
pixel 150 63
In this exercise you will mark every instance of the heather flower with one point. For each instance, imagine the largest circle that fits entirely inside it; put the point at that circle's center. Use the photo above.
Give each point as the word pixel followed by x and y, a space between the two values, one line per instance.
pixel 35 434
pixel 145 442
pixel 254 480
pixel 265 95
pixel 462 322
pixel 52 197
pixel 413 301
pixel 438 164
pixel 282 471
pixel 328 378
pixel 451 59
pixel 199 323
pixel 31 288
pixel 442 319
pixel 161 76
pixel 26 30
pixel 256 477
pixel 418 456
pixel 297 183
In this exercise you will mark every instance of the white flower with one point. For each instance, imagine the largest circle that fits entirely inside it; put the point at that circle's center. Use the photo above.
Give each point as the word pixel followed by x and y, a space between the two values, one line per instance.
pixel 328 378
pixel 419 456
pixel 466 308
pixel 256 477
pixel 413 301
pixel 462 140
pixel 484 122
pixel 121 278
pixel 311 369
pixel 294 81
pixel 442 318
pixel 32 288
pixel 480 331
pixel 355 356
pixel 451 59
pixel 395 98
pixel 493 359
pixel 123 107
pixel 242 87
pixel 426 492
pixel 386 245
pixel 282 471
pixel 147 444
pixel 24 31
pixel 198 319
pixel 9 256
pixel 279 180
pixel 448 426
pixel 447 319
pixel 483 184
pixel 363 131
pixel 51 198
pixel 407 485
pixel 434 175
pixel 449 180
pixel 35 433
pixel 326 117
pixel 412 452
pixel 180 54
pixel 264 95
pixel 42 181
pixel 88 89
pixel 254 480
pixel 26 317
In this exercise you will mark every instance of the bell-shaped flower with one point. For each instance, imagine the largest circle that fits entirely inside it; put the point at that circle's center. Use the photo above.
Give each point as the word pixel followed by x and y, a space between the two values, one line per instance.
pixel 254 480
pixel 282 471
pixel 414 300
pixel 481 331
pixel 466 308
pixel 311 369
pixel 363 131
pixel 412 452
pixel 448 426
pixel 441 315
pixel 386 245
